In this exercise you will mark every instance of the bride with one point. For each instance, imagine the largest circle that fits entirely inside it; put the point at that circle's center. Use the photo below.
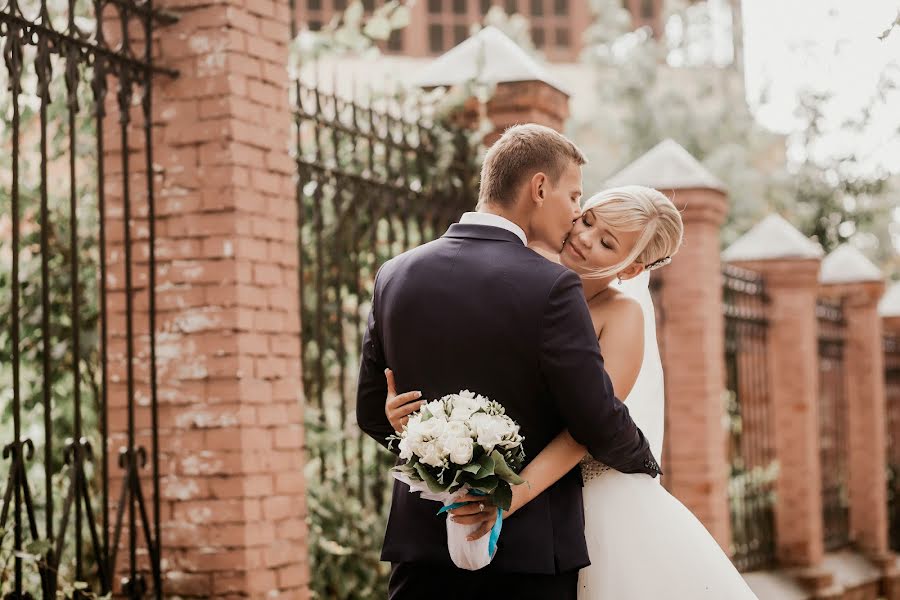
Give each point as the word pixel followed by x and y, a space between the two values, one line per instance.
pixel 642 542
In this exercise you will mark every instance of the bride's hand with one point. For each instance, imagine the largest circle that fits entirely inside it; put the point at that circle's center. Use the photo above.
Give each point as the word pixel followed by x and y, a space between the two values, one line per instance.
pixel 521 495
pixel 397 408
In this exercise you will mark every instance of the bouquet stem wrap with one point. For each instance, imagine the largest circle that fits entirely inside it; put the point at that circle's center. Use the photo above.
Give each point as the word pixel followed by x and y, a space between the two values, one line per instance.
pixel 475 554
pixel 465 554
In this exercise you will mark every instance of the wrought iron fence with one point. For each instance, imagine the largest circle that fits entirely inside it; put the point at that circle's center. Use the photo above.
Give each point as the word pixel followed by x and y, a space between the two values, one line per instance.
pixel 892 397
pixel 66 64
pixel 833 443
pixel 375 177
pixel 751 453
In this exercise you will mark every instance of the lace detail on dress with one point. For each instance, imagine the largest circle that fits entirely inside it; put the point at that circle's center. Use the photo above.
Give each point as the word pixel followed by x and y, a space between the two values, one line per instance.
pixel 592 468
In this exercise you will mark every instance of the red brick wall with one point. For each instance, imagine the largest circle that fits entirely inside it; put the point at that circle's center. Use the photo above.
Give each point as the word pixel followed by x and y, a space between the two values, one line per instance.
pixel 231 436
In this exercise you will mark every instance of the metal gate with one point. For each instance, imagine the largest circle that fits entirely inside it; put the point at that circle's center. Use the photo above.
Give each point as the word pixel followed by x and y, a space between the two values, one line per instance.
pixel 834 447
pixel 77 80
pixel 892 397
pixel 376 177
pixel 751 486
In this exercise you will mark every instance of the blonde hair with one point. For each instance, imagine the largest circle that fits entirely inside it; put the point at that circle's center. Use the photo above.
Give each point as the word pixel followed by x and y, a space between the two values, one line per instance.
pixel 639 208
pixel 522 151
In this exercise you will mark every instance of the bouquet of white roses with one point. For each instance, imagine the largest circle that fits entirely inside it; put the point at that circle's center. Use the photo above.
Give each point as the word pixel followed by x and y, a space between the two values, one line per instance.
pixel 462 444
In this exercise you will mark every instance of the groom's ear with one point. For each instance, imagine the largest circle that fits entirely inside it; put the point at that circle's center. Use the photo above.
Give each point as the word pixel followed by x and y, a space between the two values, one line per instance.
pixel 538 185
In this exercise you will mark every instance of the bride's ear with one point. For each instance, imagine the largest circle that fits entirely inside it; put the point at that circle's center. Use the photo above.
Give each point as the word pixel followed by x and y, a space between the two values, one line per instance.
pixel 631 271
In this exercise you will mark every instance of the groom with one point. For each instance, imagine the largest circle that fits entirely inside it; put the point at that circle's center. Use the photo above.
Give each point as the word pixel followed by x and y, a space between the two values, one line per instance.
pixel 478 310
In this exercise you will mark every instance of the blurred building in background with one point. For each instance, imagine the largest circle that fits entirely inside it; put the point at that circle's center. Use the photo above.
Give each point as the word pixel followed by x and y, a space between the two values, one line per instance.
pixel 557 26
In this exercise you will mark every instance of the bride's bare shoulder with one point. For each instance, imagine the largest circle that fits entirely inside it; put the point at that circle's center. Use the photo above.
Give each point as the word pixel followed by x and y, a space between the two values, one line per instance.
pixel 619 309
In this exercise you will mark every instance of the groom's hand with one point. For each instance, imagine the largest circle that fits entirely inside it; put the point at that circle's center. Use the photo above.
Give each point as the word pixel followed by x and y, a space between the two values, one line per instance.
pixel 480 511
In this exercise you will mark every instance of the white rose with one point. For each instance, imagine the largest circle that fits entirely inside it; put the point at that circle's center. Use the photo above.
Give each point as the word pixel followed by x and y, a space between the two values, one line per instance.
pixel 508 425
pixel 490 430
pixel 430 454
pixel 457 429
pixel 405 448
pixel 433 427
pixel 461 450
pixel 413 426
pixel 436 408
pixel 463 408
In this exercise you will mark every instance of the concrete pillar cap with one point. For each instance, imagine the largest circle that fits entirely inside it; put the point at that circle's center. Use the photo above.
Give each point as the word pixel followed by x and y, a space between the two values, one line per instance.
pixel 846 264
pixel 666 167
pixel 489 56
pixel 773 238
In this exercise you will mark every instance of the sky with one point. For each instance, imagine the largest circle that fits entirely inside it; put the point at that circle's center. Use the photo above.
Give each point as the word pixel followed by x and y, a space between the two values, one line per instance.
pixel 829 45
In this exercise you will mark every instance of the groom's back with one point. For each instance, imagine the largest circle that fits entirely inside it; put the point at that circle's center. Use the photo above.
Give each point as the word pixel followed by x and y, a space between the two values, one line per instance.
pixel 466 312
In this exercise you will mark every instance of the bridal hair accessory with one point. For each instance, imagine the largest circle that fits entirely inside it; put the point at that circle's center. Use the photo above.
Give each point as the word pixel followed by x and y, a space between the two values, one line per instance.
pixel 659 263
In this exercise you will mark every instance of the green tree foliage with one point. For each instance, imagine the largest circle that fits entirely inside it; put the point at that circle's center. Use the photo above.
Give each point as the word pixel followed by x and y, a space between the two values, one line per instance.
pixel 701 104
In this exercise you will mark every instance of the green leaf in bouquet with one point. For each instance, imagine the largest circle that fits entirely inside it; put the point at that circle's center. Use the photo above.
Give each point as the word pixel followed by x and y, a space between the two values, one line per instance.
pixel 406 469
pixel 502 470
pixel 502 495
pixel 472 468
pixel 460 478
pixel 485 467
pixel 429 479
pixel 486 485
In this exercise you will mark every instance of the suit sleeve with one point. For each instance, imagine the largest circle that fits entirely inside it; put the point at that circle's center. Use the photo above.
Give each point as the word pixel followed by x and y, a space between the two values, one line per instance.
pixel 371 390
pixel 573 367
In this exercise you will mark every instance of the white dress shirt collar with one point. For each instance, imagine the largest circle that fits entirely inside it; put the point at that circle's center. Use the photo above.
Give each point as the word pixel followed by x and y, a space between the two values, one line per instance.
pixel 491 220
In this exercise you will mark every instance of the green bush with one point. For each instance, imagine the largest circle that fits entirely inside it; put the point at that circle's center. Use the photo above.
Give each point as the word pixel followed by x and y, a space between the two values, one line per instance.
pixel 346 517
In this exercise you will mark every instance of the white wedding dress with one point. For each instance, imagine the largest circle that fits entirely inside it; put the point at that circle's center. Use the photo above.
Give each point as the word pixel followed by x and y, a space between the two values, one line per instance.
pixel 642 542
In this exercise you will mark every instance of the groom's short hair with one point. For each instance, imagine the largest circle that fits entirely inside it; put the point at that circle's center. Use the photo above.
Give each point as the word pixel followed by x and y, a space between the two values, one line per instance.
pixel 522 151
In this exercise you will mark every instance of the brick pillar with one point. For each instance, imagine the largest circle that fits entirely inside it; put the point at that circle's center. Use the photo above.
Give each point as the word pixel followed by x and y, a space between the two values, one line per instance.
pixel 230 423
pixel 692 343
pixel 792 285
pixel 526 102
pixel 515 103
pixel 891 325
pixel 864 360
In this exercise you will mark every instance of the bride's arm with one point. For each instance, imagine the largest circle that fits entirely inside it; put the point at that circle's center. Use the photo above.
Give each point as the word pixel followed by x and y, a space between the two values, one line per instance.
pixel 624 335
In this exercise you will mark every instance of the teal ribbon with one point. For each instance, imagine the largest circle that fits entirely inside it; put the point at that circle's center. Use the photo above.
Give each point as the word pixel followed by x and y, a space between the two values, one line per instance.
pixel 495 530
